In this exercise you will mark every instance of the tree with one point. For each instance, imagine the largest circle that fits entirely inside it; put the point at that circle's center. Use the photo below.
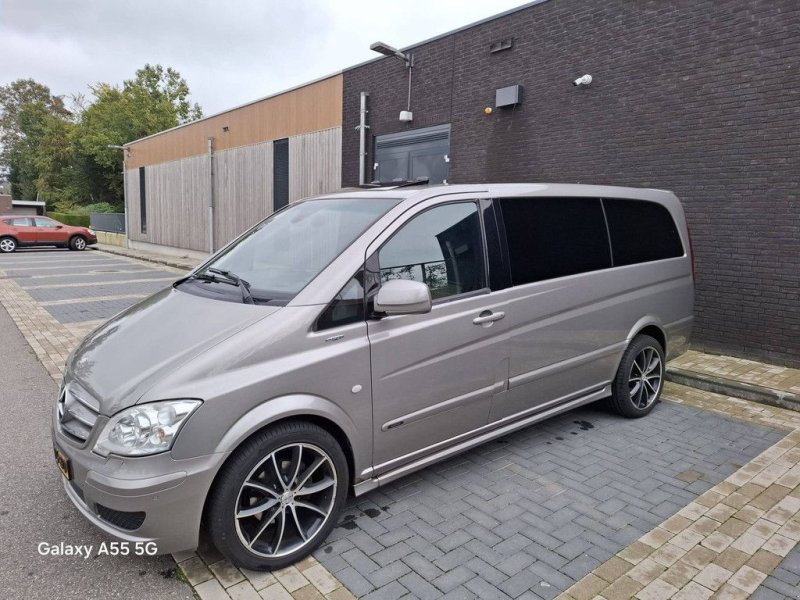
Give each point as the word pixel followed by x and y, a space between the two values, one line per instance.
pixel 154 100
pixel 27 111
pixel 14 97
pixel 54 154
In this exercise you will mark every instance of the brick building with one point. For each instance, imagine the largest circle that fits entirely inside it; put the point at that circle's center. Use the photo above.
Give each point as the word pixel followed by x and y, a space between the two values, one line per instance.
pixel 696 97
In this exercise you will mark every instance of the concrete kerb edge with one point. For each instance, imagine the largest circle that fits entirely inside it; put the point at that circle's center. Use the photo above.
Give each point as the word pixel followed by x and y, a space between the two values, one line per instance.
pixel 737 389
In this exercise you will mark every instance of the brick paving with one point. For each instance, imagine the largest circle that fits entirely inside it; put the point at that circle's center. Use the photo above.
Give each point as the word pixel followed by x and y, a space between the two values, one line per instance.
pixel 534 512
pixel 740 369
pixel 700 499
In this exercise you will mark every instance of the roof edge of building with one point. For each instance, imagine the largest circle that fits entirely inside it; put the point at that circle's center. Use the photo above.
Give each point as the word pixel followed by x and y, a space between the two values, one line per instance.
pixel 345 69
pixel 488 19
pixel 233 108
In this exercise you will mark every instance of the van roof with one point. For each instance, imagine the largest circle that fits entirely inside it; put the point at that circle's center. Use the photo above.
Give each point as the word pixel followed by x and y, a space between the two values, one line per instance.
pixel 423 192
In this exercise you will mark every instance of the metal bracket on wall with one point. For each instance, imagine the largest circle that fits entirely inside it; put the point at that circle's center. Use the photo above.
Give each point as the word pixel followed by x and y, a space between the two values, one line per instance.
pixel 501 45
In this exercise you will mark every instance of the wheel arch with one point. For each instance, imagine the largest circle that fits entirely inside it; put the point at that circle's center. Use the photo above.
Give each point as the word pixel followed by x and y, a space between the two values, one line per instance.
pixel 13 237
pixel 652 327
pixel 312 409
pixel 244 429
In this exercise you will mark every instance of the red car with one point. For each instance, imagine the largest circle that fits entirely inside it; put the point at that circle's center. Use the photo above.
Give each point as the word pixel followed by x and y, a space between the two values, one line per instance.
pixel 18 231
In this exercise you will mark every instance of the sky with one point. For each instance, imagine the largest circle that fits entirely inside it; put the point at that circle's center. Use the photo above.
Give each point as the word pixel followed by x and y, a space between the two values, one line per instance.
pixel 229 51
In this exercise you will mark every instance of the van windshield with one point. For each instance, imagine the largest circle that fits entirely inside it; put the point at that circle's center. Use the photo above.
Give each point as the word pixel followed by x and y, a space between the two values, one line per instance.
pixel 280 256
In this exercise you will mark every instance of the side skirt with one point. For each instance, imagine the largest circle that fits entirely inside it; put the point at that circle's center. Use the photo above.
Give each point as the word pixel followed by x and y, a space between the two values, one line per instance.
pixel 375 482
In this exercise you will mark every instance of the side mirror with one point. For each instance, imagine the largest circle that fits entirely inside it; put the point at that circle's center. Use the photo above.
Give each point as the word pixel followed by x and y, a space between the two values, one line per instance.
pixel 403 297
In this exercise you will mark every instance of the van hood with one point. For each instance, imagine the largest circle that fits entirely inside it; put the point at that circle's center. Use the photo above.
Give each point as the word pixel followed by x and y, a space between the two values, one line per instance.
pixel 125 357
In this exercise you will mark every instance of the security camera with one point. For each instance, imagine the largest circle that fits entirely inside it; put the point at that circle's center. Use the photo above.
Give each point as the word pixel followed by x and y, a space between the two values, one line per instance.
pixel 583 80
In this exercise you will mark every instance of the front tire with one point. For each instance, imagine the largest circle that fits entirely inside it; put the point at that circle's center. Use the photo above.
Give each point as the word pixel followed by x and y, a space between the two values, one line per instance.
pixel 77 243
pixel 640 378
pixel 278 496
pixel 7 245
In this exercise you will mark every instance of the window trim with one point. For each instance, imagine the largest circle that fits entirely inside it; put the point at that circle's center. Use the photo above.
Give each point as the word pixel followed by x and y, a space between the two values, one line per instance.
pixel 477 202
pixel 316 326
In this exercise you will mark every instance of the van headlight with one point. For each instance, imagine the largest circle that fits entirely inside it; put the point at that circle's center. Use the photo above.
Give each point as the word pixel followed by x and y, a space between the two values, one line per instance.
pixel 145 428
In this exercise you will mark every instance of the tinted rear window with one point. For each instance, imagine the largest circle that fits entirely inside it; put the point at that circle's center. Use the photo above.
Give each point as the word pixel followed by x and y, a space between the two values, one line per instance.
pixel 554 237
pixel 641 232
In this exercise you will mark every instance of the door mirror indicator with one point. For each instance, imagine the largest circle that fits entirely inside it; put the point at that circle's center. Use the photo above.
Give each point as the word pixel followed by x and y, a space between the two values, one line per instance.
pixel 403 297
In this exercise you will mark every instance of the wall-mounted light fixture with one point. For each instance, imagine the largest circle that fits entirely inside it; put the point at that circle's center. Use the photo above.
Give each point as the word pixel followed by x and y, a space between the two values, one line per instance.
pixel 583 81
pixel 408 58
pixel 226 129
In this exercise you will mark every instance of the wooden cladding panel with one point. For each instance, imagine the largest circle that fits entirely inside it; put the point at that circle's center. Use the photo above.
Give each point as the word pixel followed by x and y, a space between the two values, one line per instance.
pixel 242 189
pixel 177 192
pixel 177 196
pixel 310 108
pixel 315 163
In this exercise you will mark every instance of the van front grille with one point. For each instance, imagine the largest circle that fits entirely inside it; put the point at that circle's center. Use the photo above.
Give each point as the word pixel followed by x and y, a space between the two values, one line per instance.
pixel 76 414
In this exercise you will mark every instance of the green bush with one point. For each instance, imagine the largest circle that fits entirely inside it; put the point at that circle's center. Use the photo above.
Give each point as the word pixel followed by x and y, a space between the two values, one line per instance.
pixel 70 219
pixel 99 207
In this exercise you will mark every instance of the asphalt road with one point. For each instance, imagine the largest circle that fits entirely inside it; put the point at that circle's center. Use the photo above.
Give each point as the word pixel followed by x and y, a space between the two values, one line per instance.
pixel 34 507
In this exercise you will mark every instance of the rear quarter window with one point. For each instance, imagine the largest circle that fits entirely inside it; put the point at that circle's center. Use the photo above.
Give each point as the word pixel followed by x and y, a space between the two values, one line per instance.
pixel 641 232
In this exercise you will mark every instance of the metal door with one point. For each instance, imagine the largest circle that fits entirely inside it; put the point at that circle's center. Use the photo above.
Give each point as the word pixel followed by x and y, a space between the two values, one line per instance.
pixel 413 154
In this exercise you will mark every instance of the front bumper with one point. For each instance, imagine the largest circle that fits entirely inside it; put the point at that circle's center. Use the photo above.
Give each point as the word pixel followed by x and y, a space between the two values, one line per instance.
pixel 107 491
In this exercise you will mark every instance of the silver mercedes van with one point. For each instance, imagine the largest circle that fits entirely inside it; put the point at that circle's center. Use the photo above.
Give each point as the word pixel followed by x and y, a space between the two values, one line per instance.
pixel 350 339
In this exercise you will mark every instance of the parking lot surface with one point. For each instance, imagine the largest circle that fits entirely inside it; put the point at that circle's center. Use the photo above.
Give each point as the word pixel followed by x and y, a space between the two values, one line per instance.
pixel 35 510
pixel 83 289
pixel 527 516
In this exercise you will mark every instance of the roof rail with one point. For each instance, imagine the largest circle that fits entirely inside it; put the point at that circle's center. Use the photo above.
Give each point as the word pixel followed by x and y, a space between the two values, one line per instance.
pixel 398 183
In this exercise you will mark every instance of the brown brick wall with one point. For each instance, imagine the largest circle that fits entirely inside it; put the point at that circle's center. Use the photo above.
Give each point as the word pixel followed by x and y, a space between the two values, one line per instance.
pixel 5 204
pixel 698 97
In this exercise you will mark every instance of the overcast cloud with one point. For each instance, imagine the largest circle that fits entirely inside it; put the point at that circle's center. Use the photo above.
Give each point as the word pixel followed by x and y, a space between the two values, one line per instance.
pixel 229 51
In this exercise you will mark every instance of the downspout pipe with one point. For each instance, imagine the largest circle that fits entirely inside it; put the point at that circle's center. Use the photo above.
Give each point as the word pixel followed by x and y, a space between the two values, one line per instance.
pixel 211 195
pixel 362 139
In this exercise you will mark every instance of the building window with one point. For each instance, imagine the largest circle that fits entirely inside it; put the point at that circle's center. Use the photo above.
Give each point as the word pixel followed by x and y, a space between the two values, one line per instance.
pixel 280 173
pixel 142 200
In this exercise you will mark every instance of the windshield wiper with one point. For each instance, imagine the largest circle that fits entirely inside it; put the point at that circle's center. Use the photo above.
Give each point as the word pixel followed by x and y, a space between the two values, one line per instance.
pixel 234 279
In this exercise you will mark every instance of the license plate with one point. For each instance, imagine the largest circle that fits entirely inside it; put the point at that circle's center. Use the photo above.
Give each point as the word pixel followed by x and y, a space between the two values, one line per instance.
pixel 63 464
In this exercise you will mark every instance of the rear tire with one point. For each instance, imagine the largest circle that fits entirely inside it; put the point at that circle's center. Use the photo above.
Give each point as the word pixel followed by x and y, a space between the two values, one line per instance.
pixel 77 243
pixel 254 518
pixel 7 245
pixel 640 378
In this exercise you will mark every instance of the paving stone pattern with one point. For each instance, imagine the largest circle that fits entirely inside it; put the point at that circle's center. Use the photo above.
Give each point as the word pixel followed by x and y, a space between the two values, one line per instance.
pixel 89 310
pixel 99 289
pixel 529 515
pixel 784 582
pixel 53 277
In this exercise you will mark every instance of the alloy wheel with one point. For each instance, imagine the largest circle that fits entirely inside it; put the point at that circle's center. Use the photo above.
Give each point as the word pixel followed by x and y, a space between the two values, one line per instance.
pixel 285 500
pixel 645 378
pixel 7 245
pixel 80 244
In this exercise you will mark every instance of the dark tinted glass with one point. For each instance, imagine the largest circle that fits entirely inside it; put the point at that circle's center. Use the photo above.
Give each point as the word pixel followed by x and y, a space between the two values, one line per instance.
pixel 442 248
pixel 280 173
pixel 347 307
pixel 554 237
pixel 641 232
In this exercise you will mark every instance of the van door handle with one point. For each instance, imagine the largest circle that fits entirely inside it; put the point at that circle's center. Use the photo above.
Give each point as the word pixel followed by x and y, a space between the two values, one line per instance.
pixel 488 316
